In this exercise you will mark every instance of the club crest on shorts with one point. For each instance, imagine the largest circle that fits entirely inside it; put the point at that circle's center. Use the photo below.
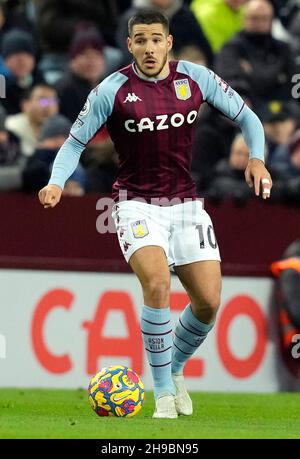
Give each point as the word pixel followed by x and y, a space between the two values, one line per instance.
pixel 140 228
pixel 182 88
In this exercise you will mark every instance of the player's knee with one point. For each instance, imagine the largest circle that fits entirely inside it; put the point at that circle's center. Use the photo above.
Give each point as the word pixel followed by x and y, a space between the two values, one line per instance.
pixel 208 307
pixel 213 305
pixel 214 301
pixel 157 291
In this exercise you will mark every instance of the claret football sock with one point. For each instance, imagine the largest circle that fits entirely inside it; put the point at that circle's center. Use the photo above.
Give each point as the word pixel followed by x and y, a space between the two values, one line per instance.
pixel 157 335
pixel 190 332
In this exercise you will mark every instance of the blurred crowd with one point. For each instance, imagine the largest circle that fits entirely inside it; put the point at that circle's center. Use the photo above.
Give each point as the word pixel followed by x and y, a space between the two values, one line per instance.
pixel 53 52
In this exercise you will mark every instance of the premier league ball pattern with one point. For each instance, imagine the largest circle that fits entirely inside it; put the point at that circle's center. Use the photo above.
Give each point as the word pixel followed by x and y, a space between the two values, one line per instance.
pixel 116 391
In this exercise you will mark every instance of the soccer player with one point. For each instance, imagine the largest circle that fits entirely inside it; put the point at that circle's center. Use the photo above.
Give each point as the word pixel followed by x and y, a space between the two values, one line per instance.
pixel 150 110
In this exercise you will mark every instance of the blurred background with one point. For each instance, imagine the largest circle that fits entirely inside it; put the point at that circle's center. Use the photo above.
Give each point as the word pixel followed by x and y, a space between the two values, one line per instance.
pixel 68 302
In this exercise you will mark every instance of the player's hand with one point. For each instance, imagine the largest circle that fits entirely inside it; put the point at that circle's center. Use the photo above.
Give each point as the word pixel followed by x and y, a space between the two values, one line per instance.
pixel 50 195
pixel 258 176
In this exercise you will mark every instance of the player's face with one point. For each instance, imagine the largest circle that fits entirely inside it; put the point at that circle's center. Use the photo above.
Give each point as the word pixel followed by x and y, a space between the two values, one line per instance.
pixel 150 45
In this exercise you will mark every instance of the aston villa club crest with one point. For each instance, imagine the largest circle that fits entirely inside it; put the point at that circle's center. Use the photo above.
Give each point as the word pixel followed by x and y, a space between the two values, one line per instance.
pixel 182 88
pixel 140 228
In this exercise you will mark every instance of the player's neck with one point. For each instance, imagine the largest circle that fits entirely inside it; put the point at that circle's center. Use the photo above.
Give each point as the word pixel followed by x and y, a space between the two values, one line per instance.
pixel 161 76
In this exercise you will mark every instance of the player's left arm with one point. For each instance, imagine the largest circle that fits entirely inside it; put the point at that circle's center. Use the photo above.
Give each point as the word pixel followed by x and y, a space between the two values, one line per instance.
pixel 230 103
pixel 219 94
pixel 256 174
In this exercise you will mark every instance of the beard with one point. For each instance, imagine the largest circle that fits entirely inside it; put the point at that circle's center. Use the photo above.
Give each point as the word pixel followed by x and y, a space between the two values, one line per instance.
pixel 148 74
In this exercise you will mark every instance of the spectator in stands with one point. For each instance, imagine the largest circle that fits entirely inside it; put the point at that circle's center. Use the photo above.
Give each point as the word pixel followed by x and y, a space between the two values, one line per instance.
pixel 228 180
pixel 219 19
pixel 57 22
pixel 14 14
pixel 288 163
pixel 286 10
pixel 100 161
pixel 279 120
pixel 286 310
pixel 265 63
pixel 285 166
pixel 38 168
pixel 86 70
pixel 214 136
pixel 39 104
pixel 18 52
pixel 183 26
pixel 294 30
pixel 12 161
pixel 123 5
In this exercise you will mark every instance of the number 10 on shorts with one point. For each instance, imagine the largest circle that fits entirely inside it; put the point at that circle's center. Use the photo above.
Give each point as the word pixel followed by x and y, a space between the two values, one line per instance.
pixel 210 236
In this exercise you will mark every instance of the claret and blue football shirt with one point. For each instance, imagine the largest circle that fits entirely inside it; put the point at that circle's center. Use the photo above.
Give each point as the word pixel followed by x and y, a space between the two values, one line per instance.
pixel 152 124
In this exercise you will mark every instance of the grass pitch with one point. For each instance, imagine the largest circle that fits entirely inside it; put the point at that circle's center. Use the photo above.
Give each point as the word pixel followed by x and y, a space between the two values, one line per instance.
pixel 67 414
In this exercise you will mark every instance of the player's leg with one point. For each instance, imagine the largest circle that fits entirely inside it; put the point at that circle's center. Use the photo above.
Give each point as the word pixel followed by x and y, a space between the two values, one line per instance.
pixel 202 281
pixel 197 263
pixel 151 267
pixel 143 233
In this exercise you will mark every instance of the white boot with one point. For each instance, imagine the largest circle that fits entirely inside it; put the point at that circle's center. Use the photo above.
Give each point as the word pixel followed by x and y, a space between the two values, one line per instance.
pixel 183 401
pixel 165 407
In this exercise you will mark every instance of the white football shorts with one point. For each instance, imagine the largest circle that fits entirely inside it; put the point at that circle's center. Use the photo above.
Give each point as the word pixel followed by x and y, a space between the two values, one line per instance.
pixel 185 231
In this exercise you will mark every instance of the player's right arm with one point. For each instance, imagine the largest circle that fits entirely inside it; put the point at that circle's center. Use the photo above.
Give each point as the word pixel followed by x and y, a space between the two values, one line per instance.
pixel 98 107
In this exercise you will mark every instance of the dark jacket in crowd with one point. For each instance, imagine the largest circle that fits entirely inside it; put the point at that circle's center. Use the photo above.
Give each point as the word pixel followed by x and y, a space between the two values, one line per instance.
pixel 12 163
pixel 123 5
pixel 286 176
pixel 38 170
pixel 15 92
pixel 271 65
pixel 285 10
pixel 14 42
pixel 57 21
pixel 15 16
pixel 38 167
pixel 214 135
pixel 72 93
pixel 228 182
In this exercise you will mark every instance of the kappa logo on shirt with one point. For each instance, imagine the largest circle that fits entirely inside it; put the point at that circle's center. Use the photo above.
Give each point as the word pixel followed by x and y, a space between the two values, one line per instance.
pixel 126 246
pixel 131 97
